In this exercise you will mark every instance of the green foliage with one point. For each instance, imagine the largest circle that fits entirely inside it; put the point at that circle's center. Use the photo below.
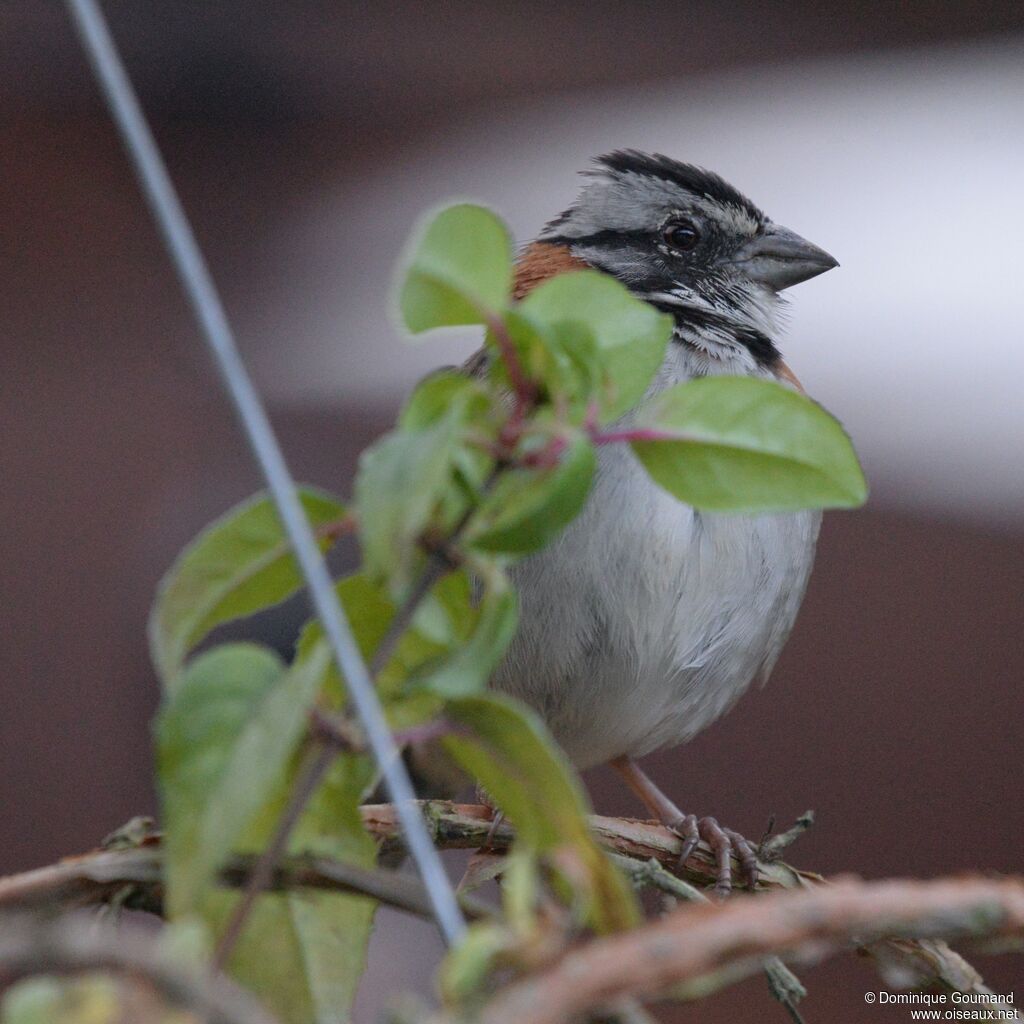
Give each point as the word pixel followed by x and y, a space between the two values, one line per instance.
pixel 736 444
pixel 509 751
pixel 476 474
pixel 227 741
pixel 370 611
pixel 472 658
pixel 461 267
pixel 303 950
pixel 629 336
pixel 528 508
pixel 238 565
pixel 415 464
pixel 90 999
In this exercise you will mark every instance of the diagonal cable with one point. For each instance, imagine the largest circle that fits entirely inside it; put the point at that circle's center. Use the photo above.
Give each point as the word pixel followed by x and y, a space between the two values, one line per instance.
pixel 209 311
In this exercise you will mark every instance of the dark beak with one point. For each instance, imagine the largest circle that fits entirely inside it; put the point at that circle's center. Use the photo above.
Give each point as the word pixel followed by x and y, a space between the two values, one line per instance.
pixel 780 258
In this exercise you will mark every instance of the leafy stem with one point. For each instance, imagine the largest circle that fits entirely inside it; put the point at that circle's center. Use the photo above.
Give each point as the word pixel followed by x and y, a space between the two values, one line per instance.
pixel 327 743
pixel 524 388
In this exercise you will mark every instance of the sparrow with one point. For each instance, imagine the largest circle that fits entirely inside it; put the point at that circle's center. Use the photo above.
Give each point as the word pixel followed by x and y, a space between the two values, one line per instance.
pixel 646 619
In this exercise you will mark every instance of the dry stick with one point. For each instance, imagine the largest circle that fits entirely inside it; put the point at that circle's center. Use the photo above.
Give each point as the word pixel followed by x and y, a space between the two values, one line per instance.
pixel 74 944
pixel 785 986
pixel 133 878
pixel 696 944
pixel 100 876
pixel 468 826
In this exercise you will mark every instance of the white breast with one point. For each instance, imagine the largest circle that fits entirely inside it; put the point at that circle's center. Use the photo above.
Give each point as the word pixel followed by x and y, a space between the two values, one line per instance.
pixel 646 619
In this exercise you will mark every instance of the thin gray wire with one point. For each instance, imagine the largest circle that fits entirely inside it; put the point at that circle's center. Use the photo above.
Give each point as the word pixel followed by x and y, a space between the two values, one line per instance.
pixel 209 311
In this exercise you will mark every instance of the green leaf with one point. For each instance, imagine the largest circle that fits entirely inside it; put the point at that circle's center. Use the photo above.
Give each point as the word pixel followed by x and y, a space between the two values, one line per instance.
pixel 631 335
pixel 528 508
pixel 506 747
pixel 446 615
pixel 238 565
pixel 302 952
pixel 469 667
pixel 436 396
pixel 460 270
pixel 462 401
pixel 401 481
pixel 227 743
pixel 561 357
pixel 369 611
pixel 224 743
pixel 87 999
pixel 736 444
pixel 467 966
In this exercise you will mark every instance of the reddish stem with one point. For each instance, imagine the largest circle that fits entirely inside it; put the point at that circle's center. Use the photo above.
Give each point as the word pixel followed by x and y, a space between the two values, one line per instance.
pixel 337 527
pixel 548 456
pixel 523 387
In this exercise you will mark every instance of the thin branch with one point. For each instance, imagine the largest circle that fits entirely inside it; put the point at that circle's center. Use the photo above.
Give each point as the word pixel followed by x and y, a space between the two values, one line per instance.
pixel 466 826
pixel 772 846
pixel 696 943
pixel 133 877
pixel 437 567
pixel 784 985
pixel 74 944
pixel 928 962
pixel 98 877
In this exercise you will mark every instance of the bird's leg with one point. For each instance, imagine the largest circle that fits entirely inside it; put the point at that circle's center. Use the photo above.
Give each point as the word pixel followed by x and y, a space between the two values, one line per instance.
pixel 724 842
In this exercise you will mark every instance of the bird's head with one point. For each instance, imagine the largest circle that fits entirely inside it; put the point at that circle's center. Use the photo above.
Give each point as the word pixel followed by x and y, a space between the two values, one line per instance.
pixel 689 243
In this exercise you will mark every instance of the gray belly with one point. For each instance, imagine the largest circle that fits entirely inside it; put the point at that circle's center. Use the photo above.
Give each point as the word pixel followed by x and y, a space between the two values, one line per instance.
pixel 645 620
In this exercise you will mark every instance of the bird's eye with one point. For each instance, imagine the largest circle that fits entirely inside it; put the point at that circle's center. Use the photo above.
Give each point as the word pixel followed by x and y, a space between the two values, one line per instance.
pixel 682 235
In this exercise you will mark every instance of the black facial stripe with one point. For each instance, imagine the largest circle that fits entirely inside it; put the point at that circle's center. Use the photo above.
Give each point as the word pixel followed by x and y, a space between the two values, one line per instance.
pixel 608 238
pixel 757 343
pixel 686 176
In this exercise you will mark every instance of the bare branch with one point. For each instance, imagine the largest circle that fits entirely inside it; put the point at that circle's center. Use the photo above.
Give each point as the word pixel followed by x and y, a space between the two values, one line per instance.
pixel 783 984
pixel 104 875
pixel 903 962
pixel 701 941
pixel 73 944
pixel 134 878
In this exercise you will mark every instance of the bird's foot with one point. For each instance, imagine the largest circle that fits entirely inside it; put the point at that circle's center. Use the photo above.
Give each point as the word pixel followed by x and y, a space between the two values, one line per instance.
pixel 724 843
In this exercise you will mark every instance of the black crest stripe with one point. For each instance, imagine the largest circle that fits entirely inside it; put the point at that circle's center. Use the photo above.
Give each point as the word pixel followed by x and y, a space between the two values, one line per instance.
pixel 688 176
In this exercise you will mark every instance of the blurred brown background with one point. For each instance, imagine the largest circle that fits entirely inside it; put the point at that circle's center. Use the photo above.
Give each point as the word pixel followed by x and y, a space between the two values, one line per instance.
pixel 305 138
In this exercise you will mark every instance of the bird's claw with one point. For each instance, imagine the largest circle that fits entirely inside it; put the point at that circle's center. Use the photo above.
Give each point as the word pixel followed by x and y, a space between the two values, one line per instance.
pixel 724 843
